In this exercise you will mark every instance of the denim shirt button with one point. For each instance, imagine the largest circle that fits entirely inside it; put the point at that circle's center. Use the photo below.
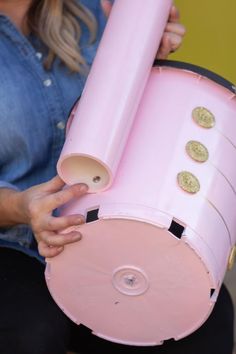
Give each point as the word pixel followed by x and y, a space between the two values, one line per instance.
pixel 61 125
pixel 47 82
pixel 39 55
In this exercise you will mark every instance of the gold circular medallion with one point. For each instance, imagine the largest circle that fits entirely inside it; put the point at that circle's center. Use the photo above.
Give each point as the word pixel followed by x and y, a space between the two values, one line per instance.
pixel 197 151
pixel 203 117
pixel 232 258
pixel 188 182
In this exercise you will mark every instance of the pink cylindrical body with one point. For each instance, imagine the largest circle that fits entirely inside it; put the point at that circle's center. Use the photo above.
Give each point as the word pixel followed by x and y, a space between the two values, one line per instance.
pixel 151 263
pixel 104 116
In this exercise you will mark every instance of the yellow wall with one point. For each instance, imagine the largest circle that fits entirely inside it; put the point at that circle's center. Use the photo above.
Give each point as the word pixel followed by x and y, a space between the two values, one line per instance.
pixel 210 40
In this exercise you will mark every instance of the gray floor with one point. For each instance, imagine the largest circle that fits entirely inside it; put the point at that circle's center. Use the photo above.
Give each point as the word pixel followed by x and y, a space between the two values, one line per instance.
pixel 230 281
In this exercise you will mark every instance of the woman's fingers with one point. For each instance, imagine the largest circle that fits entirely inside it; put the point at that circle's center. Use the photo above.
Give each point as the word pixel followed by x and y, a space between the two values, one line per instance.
pixel 56 200
pixel 51 243
pixel 173 35
pixel 176 28
pixel 52 186
pixel 52 239
pixel 174 41
pixel 39 202
pixel 48 252
pixel 171 41
pixel 61 223
pixel 174 14
pixel 165 47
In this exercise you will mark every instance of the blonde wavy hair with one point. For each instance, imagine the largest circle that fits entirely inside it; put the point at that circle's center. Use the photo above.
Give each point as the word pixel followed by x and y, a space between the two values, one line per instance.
pixel 56 23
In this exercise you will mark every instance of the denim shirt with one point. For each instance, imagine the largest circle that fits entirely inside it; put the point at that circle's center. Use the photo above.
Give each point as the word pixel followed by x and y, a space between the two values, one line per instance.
pixel 34 107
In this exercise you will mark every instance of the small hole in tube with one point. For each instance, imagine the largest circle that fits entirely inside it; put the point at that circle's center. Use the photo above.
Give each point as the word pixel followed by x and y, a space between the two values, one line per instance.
pixel 96 179
pixel 176 229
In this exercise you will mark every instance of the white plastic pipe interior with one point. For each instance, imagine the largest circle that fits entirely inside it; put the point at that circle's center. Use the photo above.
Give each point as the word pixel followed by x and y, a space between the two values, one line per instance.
pixel 83 169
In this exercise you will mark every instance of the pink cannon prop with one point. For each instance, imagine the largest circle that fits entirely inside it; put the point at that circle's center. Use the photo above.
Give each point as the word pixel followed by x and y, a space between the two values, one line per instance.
pixel 157 243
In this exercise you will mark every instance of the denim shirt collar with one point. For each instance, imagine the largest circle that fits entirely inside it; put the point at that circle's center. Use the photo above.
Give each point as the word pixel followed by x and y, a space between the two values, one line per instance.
pixel 8 28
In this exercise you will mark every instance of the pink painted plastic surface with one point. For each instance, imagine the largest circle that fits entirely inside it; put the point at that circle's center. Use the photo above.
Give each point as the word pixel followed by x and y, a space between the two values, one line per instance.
pixel 151 263
pixel 104 116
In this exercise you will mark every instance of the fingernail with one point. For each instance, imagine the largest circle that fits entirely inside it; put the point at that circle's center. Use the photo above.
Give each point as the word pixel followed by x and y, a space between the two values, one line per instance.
pixel 83 188
pixel 80 220
pixel 77 237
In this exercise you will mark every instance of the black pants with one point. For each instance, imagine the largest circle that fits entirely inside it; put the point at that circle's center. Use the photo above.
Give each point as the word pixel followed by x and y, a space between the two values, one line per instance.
pixel 31 323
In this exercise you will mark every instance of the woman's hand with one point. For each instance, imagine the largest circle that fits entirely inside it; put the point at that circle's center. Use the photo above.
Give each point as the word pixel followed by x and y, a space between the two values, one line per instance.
pixel 37 205
pixel 173 34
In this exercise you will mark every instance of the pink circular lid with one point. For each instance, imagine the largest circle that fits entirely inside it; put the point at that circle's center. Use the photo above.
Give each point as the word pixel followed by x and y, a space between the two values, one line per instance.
pixel 131 282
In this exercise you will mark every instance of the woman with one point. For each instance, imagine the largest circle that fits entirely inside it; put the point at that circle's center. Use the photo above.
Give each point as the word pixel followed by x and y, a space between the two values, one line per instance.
pixel 46 48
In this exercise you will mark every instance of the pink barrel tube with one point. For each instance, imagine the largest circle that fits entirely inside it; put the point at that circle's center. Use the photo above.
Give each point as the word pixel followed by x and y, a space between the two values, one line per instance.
pixel 104 116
